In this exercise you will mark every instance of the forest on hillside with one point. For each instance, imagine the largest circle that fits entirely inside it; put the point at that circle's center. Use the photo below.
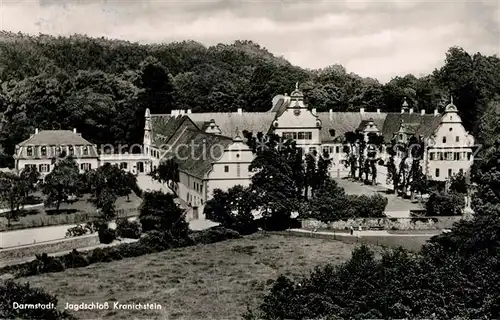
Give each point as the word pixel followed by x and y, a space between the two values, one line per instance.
pixel 102 87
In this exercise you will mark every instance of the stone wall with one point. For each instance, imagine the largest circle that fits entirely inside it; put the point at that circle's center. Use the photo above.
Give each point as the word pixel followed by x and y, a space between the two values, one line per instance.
pixel 427 223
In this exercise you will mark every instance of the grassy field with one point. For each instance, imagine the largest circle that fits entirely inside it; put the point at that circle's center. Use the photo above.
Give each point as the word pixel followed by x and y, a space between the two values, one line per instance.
pixel 214 281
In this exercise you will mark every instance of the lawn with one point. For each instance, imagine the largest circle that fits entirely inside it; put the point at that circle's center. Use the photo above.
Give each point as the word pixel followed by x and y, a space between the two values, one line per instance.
pixel 214 281
pixel 34 216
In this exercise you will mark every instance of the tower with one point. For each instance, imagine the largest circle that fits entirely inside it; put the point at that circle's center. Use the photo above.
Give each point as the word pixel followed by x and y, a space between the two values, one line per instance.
pixel 147 131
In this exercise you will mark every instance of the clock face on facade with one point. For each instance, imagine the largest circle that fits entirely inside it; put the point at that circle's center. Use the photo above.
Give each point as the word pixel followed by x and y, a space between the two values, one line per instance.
pixel 296 112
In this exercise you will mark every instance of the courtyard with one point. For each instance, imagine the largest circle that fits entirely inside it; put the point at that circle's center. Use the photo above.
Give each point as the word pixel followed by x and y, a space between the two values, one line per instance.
pixel 216 281
pixel 396 206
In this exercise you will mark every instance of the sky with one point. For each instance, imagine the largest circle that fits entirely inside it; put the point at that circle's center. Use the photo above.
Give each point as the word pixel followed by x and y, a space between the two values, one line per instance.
pixel 379 39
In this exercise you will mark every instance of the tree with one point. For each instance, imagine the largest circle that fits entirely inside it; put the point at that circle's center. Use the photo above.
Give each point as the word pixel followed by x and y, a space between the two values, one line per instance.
pixel 233 209
pixel 106 184
pixel 458 184
pixel 61 182
pixel 158 92
pixel 159 212
pixel 30 177
pixel 12 194
pixel 442 204
pixel 167 172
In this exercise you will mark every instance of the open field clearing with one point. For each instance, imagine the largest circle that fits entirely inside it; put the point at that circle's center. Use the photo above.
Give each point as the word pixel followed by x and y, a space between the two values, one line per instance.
pixel 214 281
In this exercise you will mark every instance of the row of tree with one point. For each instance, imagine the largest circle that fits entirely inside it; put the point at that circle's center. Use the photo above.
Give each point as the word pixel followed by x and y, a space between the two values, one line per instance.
pixel 104 185
pixel 102 87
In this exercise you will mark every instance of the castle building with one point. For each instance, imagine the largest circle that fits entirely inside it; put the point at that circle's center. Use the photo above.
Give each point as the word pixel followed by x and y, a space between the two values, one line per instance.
pixel 211 153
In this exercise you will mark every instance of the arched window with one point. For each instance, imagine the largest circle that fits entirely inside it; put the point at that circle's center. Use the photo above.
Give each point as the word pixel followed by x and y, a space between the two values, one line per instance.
pixel 29 151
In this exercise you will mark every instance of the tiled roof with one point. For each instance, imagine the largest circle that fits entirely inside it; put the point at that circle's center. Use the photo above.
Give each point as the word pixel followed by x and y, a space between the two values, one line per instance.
pixel 343 122
pixel 419 124
pixel 163 127
pixel 55 137
pixel 229 122
pixel 204 149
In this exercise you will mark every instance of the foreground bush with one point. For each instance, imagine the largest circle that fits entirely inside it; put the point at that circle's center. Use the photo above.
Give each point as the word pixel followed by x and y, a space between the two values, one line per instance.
pixel 128 229
pixel 11 292
pixel 214 234
pixel 455 276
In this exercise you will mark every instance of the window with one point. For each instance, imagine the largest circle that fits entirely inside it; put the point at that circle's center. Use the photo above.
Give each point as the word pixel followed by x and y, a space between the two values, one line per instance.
pixel 226 168
pixel 29 151
pixel 451 129
pixel 450 172
pixel 85 151
pixel 449 156
pixel 441 156
pixel 457 139
pixel 461 171
pixel 312 149
pixel 337 149
pixel 58 150
pixel 456 156
pixel 71 151
pixel 43 151
pixel 327 150
pixel 431 156
pixel 400 136
pixel 85 166
pixel 201 190
pixel 123 165
pixel 444 139
pixel 437 173
pixel 238 170
pixel 44 168
pixel 469 155
pixel 304 135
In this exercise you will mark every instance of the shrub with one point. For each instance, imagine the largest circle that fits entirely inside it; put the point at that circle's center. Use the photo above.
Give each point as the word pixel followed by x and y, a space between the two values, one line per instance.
pixel 11 292
pixel 75 259
pixel 214 234
pixel 81 230
pixel 445 204
pixel 128 229
pixel 106 235
pixel 159 212
pixel 99 255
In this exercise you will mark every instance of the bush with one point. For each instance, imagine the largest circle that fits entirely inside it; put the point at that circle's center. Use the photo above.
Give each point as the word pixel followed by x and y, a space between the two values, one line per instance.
pixel 75 259
pixel 81 230
pixel 445 204
pixel 11 292
pixel 214 234
pixel 128 229
pixel 106 235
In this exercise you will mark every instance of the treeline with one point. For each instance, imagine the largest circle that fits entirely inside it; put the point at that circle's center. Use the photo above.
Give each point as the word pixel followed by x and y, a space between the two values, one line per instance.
pixel 102 87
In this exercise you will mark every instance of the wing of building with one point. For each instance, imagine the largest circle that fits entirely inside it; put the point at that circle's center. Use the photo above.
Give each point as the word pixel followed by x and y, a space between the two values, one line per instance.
pixel 212 155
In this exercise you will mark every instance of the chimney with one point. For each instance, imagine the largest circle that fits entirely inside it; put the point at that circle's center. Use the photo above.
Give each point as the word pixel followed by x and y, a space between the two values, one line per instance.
pixel 189 111
pixel 411 110
pixel 422 112
pixel 240 111
pixel 378 110
pixel 436 112
pixel 402 110
pixel 313 111
pixel 74 130
pixel 172 112
pixel 36 131
pixel 331 114
pixel 361 110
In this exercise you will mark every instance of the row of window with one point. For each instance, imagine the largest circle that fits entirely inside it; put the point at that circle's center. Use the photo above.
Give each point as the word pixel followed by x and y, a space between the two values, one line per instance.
pixel 450 156
pixel 297 135
pixel 450 172
pixel 57 150
pixel 194 200
pixel 198 187
pixel 238 169
pixel 45 167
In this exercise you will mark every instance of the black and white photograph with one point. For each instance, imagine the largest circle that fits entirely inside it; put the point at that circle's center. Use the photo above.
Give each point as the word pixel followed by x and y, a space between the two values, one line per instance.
pixel 250 159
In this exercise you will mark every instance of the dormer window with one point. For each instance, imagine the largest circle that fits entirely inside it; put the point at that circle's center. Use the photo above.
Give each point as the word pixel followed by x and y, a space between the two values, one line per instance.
pixel 58 151
pixel 85 151
pixel 457 139
pixel 444 139
pixel 43 151
pixel 29 151
pixel 71 151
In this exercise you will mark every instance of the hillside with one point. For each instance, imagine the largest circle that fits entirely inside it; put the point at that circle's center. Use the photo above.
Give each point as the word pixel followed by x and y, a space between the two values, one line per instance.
pixel 102 86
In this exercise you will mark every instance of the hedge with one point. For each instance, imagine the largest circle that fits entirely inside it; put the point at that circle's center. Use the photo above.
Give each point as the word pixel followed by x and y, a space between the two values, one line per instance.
pixel 151 242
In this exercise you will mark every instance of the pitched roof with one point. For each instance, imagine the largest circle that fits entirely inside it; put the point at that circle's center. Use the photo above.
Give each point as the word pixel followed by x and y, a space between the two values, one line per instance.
pixel 419 124
pixel 55 137
pixel 203 150
pixel 229 122
pixel 163 127
pixel 343 122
